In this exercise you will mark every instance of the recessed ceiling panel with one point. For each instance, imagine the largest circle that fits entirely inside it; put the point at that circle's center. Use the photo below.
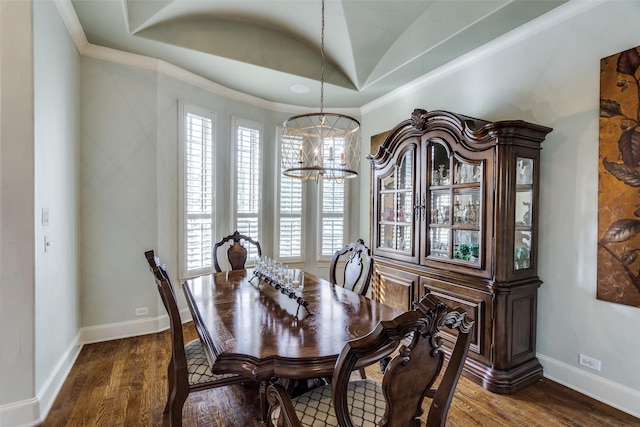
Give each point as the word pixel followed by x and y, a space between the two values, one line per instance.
pixel 263 47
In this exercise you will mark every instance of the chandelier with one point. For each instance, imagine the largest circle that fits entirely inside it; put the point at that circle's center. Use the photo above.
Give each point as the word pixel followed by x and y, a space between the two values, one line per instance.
pixel 320 145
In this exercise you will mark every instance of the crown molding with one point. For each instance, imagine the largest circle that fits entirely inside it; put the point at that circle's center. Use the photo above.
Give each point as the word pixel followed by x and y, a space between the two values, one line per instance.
pixel 84 48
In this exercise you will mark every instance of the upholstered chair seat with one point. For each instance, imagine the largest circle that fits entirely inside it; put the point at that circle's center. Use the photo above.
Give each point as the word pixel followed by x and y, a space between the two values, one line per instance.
pixel 198 365
pixel 409 377
pixel 314 408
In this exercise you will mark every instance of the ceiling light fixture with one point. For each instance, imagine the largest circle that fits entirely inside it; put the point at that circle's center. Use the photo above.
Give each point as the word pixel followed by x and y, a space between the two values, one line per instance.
pixel 320 145
pixel 300 88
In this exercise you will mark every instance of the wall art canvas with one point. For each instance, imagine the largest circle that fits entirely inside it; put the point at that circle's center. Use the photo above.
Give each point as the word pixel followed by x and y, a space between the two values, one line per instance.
pixel 619 179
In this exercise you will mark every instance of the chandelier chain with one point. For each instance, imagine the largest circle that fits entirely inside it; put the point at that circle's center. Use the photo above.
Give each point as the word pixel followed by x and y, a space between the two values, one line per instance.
pixel 322 63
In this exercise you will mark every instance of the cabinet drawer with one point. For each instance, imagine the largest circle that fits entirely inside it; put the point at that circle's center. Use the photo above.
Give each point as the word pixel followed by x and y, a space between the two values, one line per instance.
pixel 394 287
pixel 476 304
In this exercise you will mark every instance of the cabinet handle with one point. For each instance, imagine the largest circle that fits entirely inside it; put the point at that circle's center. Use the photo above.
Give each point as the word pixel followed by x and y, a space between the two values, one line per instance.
pixel 420 207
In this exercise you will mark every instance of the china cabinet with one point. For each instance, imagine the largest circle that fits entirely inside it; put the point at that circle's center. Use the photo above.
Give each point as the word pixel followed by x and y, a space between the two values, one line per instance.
pixel 455 213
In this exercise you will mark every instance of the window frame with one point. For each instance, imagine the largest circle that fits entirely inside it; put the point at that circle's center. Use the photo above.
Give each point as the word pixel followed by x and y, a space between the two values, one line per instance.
pixel 277 213
pixel 184 109
pixel 320 257
pixel 236 123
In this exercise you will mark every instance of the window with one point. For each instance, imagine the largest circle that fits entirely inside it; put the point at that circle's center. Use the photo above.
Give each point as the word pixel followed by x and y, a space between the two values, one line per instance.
pixel 331 218
pixel 248 180
pixel 289 214
pixel 196 190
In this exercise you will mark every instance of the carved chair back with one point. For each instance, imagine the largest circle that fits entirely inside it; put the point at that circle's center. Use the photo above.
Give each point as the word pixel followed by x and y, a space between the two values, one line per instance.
pixel 357 269
pixel 411 373
pixel 236 252
pixel 178 374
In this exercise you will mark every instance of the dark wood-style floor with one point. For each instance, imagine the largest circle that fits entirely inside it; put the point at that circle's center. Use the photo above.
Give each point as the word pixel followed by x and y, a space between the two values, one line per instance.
pixel 123 383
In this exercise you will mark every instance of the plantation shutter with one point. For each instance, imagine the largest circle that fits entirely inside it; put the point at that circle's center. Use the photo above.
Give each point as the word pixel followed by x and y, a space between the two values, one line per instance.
pixel 197 193
pixel 332 204
pixel 248 183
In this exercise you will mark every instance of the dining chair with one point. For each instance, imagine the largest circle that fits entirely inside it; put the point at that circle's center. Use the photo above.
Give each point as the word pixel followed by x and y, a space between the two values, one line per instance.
pixel 357 269
pixel 408 378
pixel 189 368
pixel 236 252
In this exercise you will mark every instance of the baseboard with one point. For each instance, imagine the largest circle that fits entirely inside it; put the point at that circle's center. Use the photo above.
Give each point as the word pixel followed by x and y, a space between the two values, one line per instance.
pixel 132 328
pixel 32 412
pixel 20 414
pixel 48 392
pixel 613 394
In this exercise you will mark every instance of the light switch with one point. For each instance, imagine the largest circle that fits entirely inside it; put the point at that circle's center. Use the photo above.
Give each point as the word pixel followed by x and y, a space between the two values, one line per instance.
pixel 45 216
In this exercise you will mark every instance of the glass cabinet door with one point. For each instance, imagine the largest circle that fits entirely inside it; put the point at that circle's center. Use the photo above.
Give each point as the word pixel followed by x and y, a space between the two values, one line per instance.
pixel 455 210
pixel 523 213
pixel 395 206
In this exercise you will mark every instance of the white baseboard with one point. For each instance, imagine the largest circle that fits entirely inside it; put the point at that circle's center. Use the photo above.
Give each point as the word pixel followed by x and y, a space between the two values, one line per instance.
pixel 613 394
pixel 48 392
pixel 20 414
pixel 132 328
pixel 32 412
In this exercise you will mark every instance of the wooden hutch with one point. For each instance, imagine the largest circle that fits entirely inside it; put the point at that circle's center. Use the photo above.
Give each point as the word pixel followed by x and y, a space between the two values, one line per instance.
pixel 455 213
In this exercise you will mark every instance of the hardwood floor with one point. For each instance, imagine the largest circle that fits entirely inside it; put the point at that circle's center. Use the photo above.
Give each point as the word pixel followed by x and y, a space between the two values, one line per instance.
pixel 123 383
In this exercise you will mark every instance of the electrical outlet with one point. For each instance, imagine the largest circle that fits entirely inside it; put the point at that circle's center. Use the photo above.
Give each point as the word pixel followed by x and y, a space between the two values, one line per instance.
pixel 141 311
pixel 590 362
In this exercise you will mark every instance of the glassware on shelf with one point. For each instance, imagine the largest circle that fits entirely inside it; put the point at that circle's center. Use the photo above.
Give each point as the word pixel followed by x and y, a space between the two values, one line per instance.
pixel 439 242
pixel 524 171
pixel 466 245
pixel 440 176
pixel 467 173
pixel 522 250
pixel 440 206
pixel 439 165
pixel 524 207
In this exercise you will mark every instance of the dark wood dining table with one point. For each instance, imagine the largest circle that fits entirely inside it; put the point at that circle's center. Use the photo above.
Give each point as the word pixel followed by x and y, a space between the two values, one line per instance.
pixel 251 328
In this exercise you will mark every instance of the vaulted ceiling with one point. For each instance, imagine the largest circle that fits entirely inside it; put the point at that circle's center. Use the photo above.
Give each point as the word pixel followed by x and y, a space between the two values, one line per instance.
pixel 267 47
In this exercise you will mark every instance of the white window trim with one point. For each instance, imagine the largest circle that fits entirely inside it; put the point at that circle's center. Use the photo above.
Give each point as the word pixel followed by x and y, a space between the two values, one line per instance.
pixel 183 109
pixel 299 260
pixel 235 123
pixel 324 260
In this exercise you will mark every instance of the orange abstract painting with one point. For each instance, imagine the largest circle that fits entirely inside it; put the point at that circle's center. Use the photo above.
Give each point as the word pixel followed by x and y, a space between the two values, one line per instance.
pixel 619 179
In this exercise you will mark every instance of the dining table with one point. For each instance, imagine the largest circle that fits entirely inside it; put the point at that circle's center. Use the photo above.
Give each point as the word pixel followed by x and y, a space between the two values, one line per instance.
pixel 252 327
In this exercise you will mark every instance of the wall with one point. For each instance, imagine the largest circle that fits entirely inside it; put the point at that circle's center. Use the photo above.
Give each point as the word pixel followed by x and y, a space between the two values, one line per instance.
pixel 548 73
pixel 56 90
pixel 17 278
pixel 129 185
pixel 38 291
pixel 117 192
